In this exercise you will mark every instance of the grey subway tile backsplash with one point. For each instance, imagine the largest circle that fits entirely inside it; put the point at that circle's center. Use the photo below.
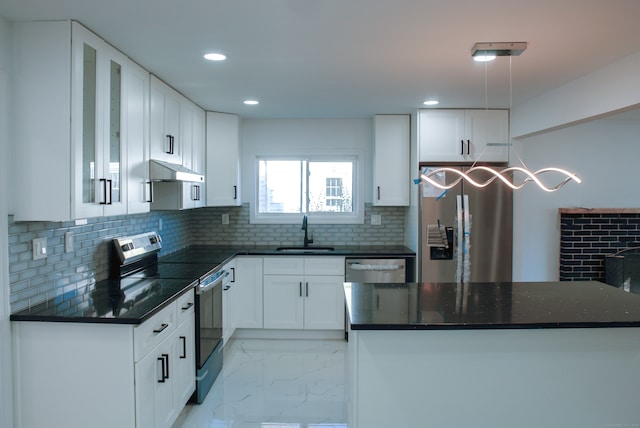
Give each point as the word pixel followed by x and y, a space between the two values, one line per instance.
pixel 61 274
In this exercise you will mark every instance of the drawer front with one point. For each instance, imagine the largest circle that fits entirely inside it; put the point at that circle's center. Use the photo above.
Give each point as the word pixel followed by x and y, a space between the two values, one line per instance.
pixel 185 305
pixel 283 265
pixel 323 265
pixel 153 331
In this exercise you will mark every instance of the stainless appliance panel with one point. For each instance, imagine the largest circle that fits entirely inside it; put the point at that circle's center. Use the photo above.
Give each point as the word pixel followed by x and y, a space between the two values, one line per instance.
pixel 491 214
pixel 375 270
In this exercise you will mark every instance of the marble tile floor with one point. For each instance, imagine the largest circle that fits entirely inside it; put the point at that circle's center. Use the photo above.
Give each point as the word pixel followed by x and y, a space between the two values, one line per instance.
pixel 275 384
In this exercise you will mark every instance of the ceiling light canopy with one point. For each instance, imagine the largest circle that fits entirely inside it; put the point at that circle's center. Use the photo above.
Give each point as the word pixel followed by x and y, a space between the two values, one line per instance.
pixel 431 102
pixel 251 102
pixel 487 51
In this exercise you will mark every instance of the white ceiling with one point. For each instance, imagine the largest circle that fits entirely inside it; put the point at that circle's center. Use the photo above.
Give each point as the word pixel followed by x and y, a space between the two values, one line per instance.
pixel 353 58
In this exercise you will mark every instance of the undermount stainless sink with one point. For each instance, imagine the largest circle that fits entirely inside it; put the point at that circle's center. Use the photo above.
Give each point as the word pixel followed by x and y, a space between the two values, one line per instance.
pixel 305 249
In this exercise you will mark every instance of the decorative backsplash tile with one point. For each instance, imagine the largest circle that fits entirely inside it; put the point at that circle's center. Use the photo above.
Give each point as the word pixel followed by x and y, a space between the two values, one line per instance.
pixel 586 236
pixel 207 228
pixel 35 281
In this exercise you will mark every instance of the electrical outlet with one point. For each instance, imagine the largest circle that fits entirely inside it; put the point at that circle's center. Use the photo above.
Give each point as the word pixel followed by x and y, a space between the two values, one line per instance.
pixel 376 219
pixel 225 218
pixel 68 242
pixel 39 248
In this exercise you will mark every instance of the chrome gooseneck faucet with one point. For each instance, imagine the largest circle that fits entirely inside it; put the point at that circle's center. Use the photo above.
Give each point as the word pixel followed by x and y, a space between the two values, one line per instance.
pixel 307 241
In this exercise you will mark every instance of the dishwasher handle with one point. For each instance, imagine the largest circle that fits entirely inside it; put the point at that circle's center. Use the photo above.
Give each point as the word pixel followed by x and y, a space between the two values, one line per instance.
pixel 369 267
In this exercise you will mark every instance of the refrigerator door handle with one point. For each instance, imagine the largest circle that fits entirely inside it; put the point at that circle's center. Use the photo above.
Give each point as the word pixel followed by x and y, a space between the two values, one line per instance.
pixel 459 235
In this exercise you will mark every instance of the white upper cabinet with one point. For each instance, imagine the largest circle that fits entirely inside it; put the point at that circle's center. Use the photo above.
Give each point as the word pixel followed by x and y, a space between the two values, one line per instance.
pixel 136 86
pixel 222 177
pixel 165 138
pixel 463 135
pixel 392 138
pixel 70 153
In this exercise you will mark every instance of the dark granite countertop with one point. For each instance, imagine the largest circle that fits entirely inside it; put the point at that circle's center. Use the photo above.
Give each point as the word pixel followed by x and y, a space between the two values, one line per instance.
pixel 120 302
pixel 109 301
pixel 432 306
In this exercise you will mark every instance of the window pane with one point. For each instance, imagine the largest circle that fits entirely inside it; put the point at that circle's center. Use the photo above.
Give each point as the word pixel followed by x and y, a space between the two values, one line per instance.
pixel 280 186
pixel 330 187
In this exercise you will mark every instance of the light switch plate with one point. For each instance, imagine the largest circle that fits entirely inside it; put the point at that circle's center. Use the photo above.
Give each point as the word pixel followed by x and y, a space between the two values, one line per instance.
pixel 376 219
pixel 225 218
pixel 39 248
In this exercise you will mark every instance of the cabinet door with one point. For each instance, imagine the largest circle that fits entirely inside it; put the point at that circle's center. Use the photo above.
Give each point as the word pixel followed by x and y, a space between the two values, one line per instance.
pixel 248 293
pixel 136 135
pixel 165 123
pixel 283 301
pixel 223 159
pixel 185 362
pixel 324 302
pixel 154 379
pixel 96 129
pixel 391 160
pixel 441 135
pixel 488 135
pixel 228 294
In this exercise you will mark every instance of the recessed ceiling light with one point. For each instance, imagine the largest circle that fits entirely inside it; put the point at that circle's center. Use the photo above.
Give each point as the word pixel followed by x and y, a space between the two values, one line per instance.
pixel 251 102
pixel 215 56
pixel 431 102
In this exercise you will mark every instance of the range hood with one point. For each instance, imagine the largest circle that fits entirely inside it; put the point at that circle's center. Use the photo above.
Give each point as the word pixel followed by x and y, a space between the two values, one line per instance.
pixel 166 171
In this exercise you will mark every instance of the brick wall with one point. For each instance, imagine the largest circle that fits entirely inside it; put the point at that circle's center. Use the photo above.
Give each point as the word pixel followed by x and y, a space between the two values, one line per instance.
pixel 587 235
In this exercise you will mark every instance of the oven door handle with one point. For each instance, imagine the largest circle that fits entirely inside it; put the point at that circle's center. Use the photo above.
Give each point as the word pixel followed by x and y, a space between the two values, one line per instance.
pixel 204 289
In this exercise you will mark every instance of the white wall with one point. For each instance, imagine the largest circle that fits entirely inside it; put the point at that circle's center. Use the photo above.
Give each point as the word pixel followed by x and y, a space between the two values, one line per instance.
pixel 613 88
pixel 605 154
pixel 6 384
pixel 304 136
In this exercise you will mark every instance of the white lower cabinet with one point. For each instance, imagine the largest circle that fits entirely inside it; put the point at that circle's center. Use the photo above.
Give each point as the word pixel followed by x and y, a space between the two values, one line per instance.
pixel 114 374
pixel 228 302
pixel 248 292
pixel 304 293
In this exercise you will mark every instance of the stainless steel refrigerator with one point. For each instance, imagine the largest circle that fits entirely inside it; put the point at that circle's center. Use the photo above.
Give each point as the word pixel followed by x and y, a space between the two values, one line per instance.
pixel 466 231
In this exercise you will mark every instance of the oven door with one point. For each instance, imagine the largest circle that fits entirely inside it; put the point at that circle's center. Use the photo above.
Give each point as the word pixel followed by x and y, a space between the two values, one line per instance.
pixel 208 321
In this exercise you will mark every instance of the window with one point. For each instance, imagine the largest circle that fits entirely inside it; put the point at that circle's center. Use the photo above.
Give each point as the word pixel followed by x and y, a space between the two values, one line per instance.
pixel 322 188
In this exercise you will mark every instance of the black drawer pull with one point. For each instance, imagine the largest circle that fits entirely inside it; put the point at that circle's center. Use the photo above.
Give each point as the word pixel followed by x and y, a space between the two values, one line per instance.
pixel 184 347
pixel 187 306
pixel 161 329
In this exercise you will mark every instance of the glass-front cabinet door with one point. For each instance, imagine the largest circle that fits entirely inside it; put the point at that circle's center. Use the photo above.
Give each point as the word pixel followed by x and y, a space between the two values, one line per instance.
pixel 96 126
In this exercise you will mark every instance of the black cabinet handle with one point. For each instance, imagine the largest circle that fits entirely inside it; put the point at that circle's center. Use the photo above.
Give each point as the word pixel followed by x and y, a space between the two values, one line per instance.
pixel 187 306
pixel 167 357
pixel 378 192
pixel 110 192
pixel 150 194
pixel 184 347
pixel 307 289
pixel 235 192
pixel 468 145
pixel 300 288
pixel 226 288
pixel 233 274
pixel 462 147
pixel 104 191
pixel 161 380
pixel 161 329
pixel 171 144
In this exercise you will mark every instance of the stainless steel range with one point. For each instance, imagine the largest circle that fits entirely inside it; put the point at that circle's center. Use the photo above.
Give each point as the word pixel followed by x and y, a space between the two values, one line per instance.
pixel 139 254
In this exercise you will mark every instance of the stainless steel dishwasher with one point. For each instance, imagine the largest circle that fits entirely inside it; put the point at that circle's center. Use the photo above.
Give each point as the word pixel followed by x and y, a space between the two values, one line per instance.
pixel 375 270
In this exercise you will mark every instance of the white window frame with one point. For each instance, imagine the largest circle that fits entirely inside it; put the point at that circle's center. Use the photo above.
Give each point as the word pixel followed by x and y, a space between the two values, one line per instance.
pixel 355 217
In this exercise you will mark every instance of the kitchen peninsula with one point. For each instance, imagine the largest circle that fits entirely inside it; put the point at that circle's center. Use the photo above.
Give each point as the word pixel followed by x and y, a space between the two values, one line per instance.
pixel 552 354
